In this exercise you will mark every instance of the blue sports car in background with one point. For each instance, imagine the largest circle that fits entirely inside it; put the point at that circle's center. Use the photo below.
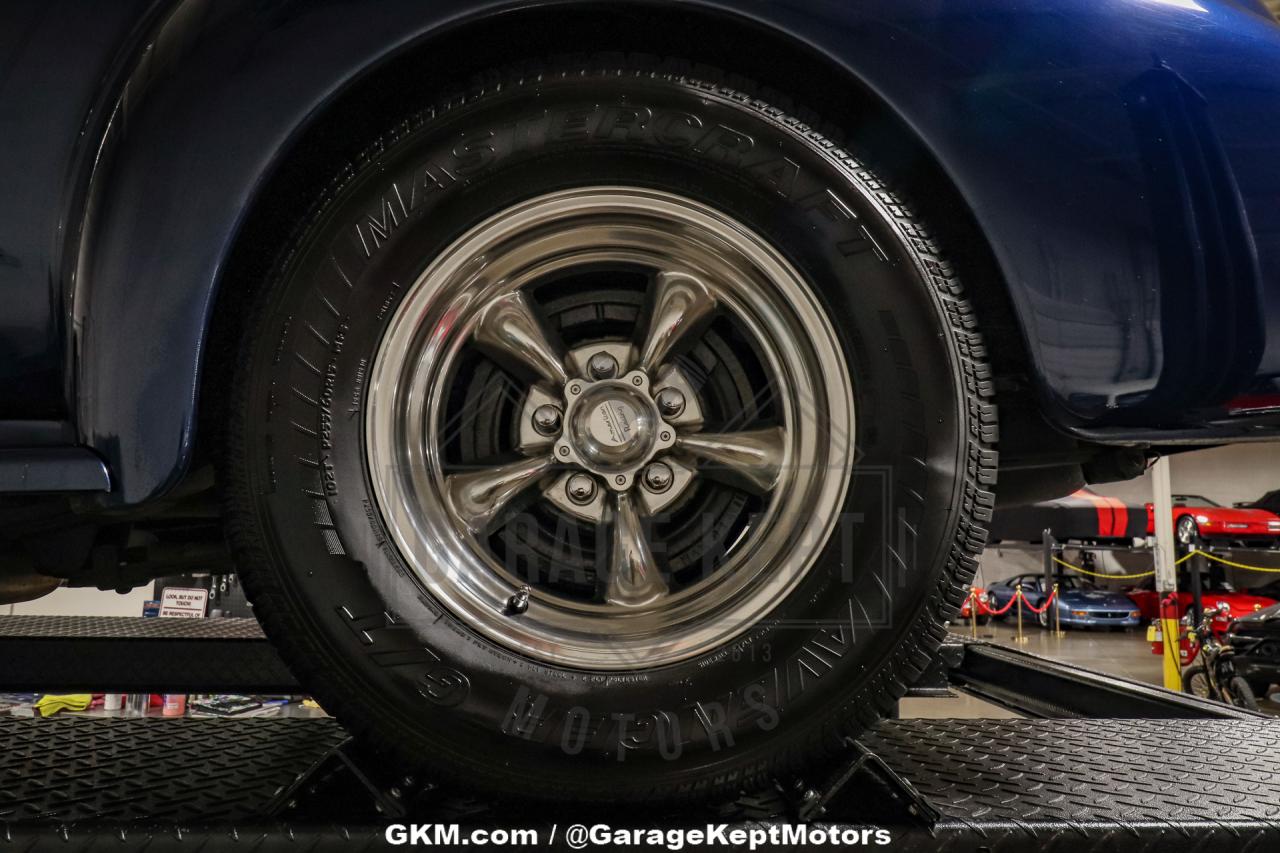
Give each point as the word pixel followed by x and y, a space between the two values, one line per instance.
pixel 1080 604
pixel 577 387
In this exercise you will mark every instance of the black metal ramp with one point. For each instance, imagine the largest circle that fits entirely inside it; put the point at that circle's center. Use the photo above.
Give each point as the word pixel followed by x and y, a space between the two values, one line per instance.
pixel 76 770
pixel 66 654
pixel 136 655
pixel 1079 773
pixel 1049 785
pixel 1037 686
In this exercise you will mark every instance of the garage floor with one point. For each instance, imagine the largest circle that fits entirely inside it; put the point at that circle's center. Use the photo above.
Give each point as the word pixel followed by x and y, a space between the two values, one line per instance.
pixel 1125 653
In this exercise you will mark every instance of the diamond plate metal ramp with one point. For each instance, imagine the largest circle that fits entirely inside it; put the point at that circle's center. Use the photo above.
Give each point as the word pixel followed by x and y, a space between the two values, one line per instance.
pixel 1089 770
pixel 1053 786
pixel 1093 784
pixel 75 770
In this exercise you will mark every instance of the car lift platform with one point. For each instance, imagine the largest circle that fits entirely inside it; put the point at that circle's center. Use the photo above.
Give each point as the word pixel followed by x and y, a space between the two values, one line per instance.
pixel 1160 769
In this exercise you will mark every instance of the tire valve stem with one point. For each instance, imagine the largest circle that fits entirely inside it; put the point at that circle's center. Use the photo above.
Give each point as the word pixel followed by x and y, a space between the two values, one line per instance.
pixel 519 602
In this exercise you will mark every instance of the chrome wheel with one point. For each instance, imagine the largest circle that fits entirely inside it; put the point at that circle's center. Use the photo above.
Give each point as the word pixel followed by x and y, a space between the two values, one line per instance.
pixel 608 434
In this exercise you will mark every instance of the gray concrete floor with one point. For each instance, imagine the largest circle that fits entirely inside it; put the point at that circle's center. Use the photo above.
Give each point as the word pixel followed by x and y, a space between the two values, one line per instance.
pixel 1124 653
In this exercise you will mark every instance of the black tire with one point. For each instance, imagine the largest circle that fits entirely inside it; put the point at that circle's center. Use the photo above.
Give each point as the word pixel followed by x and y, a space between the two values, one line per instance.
pixel 1242 694
pixel 1196 682
pixel 835 654
pixel 1186 531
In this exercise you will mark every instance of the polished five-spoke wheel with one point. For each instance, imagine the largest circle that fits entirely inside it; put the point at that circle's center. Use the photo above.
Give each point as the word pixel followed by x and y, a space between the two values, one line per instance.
pixel 611 426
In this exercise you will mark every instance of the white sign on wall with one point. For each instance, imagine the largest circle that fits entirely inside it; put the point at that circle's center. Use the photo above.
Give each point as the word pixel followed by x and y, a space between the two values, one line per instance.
pixel 184 602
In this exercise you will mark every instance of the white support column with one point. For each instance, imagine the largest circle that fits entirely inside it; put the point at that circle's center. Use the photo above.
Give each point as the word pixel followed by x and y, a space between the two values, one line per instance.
pixel 1166 549
pixel 1166 574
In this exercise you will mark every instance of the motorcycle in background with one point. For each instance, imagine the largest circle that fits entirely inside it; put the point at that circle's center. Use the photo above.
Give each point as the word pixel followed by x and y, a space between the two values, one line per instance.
pixel 1211 673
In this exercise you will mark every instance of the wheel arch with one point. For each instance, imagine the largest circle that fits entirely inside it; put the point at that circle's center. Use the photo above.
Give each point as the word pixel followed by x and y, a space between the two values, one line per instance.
pixel 223 177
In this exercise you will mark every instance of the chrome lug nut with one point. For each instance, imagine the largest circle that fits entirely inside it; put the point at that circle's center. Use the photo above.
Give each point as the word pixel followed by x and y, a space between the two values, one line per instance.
pixel 581 489
pixel 670 402
pixel 546 419
pixel 602 365
pixel 658 477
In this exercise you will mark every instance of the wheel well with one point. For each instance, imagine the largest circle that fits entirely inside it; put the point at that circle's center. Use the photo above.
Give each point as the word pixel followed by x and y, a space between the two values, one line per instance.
pixel 711 41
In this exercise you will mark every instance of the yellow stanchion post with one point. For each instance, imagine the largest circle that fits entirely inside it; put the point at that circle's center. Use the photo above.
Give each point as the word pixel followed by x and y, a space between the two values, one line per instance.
pixel 1021 638
pixel 1171 629
pixel 973 613
pixel 1057 614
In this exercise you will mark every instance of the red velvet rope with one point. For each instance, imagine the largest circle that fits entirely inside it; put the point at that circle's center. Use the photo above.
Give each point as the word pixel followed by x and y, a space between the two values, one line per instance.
pixel 1048 601
pixel 986 609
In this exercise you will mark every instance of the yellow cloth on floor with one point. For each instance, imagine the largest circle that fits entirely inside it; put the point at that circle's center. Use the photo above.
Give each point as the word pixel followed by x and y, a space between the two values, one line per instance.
pixel 50 705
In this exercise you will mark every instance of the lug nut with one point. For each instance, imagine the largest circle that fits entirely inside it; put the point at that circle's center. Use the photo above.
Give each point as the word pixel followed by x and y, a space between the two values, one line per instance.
pixel 546 419
pixel 581 489
pixel 602 365
pixel 670 402
pixel 658 477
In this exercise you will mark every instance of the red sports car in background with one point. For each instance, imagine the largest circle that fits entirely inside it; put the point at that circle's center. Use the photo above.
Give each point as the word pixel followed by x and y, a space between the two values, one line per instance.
pixel 984 603
pixel 1212 591
pixel 1196 515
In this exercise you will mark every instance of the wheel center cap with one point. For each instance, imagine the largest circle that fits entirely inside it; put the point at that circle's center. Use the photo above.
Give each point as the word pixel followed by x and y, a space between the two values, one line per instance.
pixel 614 423
pixel 612 426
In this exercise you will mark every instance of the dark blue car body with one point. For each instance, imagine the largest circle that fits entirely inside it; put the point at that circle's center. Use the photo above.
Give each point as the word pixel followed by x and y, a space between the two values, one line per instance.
pixel 1119 161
